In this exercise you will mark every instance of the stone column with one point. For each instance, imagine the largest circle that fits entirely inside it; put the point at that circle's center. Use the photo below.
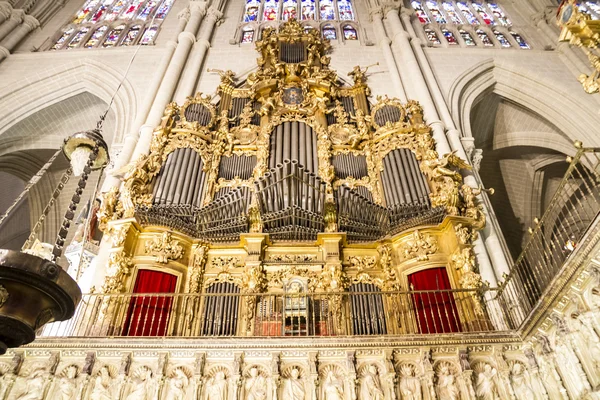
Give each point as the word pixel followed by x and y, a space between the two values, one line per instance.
pixel 167 88
pixel 16 17
pixel 411 72
pixel 13 39
pixel 130 140
pixel 187 86
pixel 5 11
pixel 384 44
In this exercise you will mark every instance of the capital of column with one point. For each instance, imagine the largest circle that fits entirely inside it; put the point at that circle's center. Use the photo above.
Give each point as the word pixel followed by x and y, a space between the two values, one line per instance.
pixel 198 7
pixel 4 52
pixel 17 16
pixel 214 14
pixel 184 14
pixel 5 9
pixel 31 22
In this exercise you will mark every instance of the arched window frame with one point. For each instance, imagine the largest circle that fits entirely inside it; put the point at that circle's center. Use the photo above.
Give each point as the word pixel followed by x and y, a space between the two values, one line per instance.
pixel 343 25
pixel 454 34
pixel 435 30
pixel 512 31
pixel 468 29
pixel 327 25
pixel 111 24
pixel 317 22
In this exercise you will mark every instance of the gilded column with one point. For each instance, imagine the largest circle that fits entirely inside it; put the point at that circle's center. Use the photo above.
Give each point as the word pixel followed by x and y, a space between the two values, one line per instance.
pixel 187 86
pixel 165 93
pixel 384 44
pixel 407 62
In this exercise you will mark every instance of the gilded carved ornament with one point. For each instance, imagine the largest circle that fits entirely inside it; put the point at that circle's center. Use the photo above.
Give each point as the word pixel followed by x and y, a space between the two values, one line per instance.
pixel 277 278
pixel 420 247
pixel 196 270
pixel 292 258
pixel 463 260
pixel 194 126
pixel 118 268
pixel 110 208
pixel 164 248
pixel 465 234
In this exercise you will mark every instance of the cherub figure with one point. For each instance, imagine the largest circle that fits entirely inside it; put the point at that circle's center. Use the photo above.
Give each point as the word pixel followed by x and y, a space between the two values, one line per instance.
pixel 416 112
pixel 224 130
pixel 362 124
pixel 358 75
pixel 227 76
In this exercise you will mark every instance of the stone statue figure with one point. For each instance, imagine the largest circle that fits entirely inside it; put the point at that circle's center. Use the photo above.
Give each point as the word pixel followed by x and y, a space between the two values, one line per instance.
pixel 178 384
pixel 293 387
pixel 255 386
pixel 520 383
pixel 102 389
pixel 216 387
pixel 410 387
pixel 446 385
pixel 34 387
pixel 67 385
pixel 485 387
pixel 370 387
pixel 142 389
pixel 332 388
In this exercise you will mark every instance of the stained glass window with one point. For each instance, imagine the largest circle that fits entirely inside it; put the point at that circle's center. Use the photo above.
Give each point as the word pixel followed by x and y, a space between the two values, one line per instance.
pixel 113 36
pixel 96 36
pixel 247 35
pixel 466 11
pixel 449 37
pixel 130 18
pixel 270 10
pixel 290 10
pixel 485 39
pixel 451 12
pixel 499 14
pixel 329 32
pixel 434 9
pixel 421 14
pixel 350 33
pixel 432 36
pixel 522 43
pixel 85 11
pixel 308 9
pixel 345 10
pixel 149 34
pixel 466 36
pixel 326 8
pixel 502 39
pixel 78 38
pixel 251 13
pixel 132 35
pixel 483 14
pixel 63 38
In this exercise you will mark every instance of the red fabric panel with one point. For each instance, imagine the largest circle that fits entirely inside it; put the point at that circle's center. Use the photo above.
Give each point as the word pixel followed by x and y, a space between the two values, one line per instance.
pixel 436 311
pixel 149 315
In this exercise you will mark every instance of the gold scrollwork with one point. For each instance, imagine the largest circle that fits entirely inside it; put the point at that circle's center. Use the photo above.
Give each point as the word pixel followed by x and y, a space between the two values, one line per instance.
pixel 164 248
pixel 118 268
pixel 420 247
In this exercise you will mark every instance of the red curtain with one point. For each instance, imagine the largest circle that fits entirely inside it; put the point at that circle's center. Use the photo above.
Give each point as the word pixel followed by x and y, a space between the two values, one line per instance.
pixel 436 311
pixel 148 314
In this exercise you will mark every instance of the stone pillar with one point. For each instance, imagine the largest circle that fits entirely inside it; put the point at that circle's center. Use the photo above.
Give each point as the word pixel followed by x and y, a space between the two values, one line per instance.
pixel 5 11
pixel 407 62
pixel 13 39
pixel 131 138
pixel 384 44
pixel 167 88
pixel 16 17
pixel 187 86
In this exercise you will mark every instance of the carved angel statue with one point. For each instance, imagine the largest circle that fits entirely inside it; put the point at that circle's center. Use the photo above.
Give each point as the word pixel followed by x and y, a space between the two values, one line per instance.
pixel 227 76
pixel 446 384
pixel 332 388
pixel 34 385
pixel 68 383
pixel 293 386
pixel 362 125
pixel 444 178
pixel 409 387
pixel 225 132
pixel 521 383
pixel 358 75
pixel 416 112
pixel 216 387
pixel 178 385
pixel 370 386
pixel 102 389
pixel 255 386
pixel 143 388
pixel 485 385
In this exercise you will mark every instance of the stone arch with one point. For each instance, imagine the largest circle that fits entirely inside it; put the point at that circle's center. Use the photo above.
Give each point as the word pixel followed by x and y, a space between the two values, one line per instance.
pixel 525 128
pixel 24 98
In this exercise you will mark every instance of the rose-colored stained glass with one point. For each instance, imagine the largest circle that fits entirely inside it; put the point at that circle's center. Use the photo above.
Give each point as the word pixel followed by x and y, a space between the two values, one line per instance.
pixel 483 14
pixel 290 10
pixel 432 36
pixel 132 9
pixel 450 38
pixel 270 10
pixel 247 36
pixel 421 14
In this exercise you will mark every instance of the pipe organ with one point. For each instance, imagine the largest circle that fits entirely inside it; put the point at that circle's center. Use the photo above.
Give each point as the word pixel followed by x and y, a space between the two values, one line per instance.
pixel 300 179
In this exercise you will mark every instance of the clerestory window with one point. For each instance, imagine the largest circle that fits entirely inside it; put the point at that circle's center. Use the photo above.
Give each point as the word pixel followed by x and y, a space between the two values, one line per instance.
pixel 468 24
pixel 111 23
